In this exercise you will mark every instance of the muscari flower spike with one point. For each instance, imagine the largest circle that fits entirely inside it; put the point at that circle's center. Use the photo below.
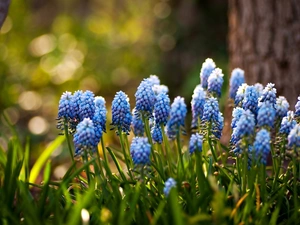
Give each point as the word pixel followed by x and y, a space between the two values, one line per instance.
pixel 244 127
pixel 250 100
pixel 240 94
pixel 266 115
pixel 137 123
pixel 99 117
pixel 236 115
pixel 85 137
pixel 282 107
pixel 237 79
pixel 169 184
pixel 215 82
pixel 145 97
pixel 210 110
pixel 86 105
pixel 260 88
pixel 262 146
pixel 121 116
pixel 66 107
pixel 269 94
pixel 197 104
pixel 287 123
pixel 196 141
pixel 177 117
pixel 207 67
pixel 140 150
pixel 156 134
pixel 294 137
pixel 160 89
pixel 154 80
pixel 162 108
pixel 297 108
pixel 218 126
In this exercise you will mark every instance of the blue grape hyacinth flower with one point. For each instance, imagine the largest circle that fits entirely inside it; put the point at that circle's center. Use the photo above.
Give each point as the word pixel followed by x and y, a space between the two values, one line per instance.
pixel 260 88
pixel 197 104
pixel 121 116
pixel 145 97
pixel 287 123
pixel 85 137
pixel 297 108
pixel 99 117
pixel 177 117
pixel 156 134
pixel 269 94
pixel 294 137
pixel 282 107
pixel 154 80
pixel 196 141
pixel 160 89
pixel 140 150
pixel 236 115
pixel 240 94
pixel 76 103
pixel 66 106
pixel 236 80
pixel 137 123
pixel 262 146
pixel 169 184
pixel 218 126
pixel 210 110
pixel 215 82
pixel 250 100
pixel 207 67
pixel 245 126
pixel 86 105
pixel 266 115
pixel 162 109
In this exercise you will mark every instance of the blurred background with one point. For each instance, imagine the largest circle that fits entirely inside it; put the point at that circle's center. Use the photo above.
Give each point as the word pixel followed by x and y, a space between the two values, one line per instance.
pixel 51 46
pixel 48 47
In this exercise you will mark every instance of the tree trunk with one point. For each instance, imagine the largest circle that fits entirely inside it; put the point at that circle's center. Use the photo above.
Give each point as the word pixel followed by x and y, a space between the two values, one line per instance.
pixel 264 40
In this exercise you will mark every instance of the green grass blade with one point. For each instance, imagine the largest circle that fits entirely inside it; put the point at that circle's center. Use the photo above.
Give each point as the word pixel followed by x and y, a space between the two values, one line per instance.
pixel 44 157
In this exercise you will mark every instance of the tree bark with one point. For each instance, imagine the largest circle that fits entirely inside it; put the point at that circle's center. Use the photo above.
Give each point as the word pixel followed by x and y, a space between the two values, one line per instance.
pixel 264 40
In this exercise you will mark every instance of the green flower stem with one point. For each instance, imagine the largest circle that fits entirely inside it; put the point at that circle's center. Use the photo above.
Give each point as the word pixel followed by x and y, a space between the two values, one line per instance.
pixel 85 160
pixel 125 152
pixel 104 150
pixel 179 151
pixel 68 139
pixel 202 181
pixel 167 149
pixel 212 149
pixel 148 133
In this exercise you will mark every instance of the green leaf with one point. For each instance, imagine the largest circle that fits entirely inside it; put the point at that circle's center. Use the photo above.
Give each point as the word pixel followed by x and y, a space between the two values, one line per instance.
pixel 44 157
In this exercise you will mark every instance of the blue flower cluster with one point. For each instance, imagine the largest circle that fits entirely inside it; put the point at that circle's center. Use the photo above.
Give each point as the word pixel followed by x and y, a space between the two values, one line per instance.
pixel 156 134
pixel 140 150
pixel 287 123
pixel 250 100
pixel 266 115
pixel 77 108
pixel 197 104
pixel 137 123
pixel 240 94
pixel 282 107
pixel 196 141
pixel 145 97
pixel 236 80
pixel 85 137
pixel 169 184
pixel 207 67
pixel 162 108
pixel 262 146
pixel 297 108
pixel 215 82
pixel 294 137
pixel 211 110
pixel 121 116
pixel 177 117
pixel 269 94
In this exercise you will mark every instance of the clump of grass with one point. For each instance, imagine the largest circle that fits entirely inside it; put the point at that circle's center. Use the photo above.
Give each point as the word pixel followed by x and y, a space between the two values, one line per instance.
pixel 160 179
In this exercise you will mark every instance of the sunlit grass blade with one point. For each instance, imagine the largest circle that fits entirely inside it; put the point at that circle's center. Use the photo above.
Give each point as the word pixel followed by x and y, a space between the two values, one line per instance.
pixel 44 157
